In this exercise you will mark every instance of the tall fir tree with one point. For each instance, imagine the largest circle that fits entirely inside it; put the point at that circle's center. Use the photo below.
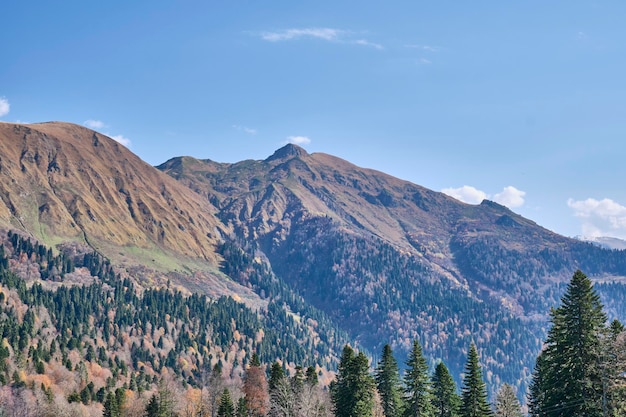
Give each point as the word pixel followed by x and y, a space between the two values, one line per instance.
pixel 445 400
pixel 615 383
pixel 417 384
pixel 242 409
pixel 507 404
pixel 276 374
pixel 226 408
pixel 572 376
pixel 352 393
pixel 474 393
pixel 311 376
pixel 111 406
pixel 152 408
pixel 537 388
pixel 387 379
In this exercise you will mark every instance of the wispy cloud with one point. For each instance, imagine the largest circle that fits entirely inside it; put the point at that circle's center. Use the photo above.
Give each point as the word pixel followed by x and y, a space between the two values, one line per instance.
pixel 600 217
pixel 4 106
pixel 245 129
pixel 424 61
pixel 510 196
pixel 427 48
pixel 94 124
pixel 365 42
pixel 298 140
pixel 326 34
pixel 98 124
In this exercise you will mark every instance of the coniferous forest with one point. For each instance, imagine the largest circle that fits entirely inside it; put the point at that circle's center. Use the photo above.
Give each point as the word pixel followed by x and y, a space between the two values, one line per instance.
pixel 78 338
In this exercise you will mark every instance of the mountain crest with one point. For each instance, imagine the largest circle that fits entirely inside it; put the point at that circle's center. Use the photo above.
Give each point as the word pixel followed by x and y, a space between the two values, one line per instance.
pixel 288 151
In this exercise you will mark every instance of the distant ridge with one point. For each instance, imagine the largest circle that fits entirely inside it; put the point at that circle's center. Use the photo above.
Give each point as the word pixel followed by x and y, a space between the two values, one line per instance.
pixel 335 247
pixel 605 242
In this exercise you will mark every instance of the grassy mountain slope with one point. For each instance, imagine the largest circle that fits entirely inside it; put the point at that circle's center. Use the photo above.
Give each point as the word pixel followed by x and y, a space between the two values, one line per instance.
pixel 63 182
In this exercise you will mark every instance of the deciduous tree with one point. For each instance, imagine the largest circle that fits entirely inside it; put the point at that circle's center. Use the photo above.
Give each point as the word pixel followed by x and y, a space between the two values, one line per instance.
pixel 255 389
pixel 507 404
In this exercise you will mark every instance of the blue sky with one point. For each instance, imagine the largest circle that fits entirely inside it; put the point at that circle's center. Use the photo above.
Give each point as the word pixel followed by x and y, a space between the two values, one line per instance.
pixel 520 102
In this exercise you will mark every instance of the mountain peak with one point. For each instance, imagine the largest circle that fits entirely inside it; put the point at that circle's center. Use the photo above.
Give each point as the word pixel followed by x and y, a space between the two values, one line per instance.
pixel 288 151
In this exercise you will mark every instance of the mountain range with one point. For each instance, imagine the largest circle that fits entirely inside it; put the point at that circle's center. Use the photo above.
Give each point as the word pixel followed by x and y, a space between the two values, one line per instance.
pixel 375 257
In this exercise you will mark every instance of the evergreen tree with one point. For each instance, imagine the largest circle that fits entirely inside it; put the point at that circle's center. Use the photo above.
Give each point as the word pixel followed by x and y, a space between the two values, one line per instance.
pixel 474 393
pixel 417 384
pixel 111 406
pixel 445 400
pixel 617 384
pixel 276 374
pixel 311 376
pixel 352 392
pixel 536 388
pixel 152 408
pixel 507 404
pixel 297 381
pixel 572 377
pixel 387 379
pixel 283 401
pixel 226 408
pixel 242 410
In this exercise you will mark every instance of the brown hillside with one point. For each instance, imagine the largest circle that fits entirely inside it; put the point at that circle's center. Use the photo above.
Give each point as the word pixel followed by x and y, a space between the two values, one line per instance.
pixel 266 198
pixel 60 181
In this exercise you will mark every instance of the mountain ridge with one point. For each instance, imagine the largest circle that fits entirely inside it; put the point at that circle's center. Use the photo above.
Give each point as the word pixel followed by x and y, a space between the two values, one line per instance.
pixel 310 234
pixel 76 184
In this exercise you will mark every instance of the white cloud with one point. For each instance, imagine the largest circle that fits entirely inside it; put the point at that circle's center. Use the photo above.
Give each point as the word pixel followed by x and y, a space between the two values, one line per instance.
pixel 600 217
pixel 245 129
pixel 425 61
pixel 326 34
pixel 121 139
pixel 466 194
pixel 98 124
pixel 365 42
pixel 426 48
pixel 4 106
pixel 510 197
pixel 94 124
pixel 298 140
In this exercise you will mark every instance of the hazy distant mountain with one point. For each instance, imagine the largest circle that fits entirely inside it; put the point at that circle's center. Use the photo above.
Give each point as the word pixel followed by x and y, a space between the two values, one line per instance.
pixel 605 242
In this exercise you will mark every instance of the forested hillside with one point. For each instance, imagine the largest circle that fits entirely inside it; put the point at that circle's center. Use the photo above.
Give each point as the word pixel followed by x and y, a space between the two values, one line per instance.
pixel 390 261
pixel 197 263
pixel 74 331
